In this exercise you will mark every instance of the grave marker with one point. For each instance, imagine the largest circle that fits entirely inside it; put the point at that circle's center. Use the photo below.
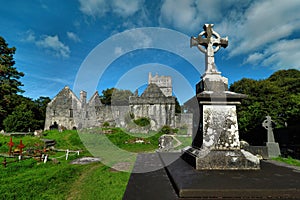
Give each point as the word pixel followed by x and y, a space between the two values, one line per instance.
pixel 10 144
pixel 216 145
pixel 272 146
pixel 21 146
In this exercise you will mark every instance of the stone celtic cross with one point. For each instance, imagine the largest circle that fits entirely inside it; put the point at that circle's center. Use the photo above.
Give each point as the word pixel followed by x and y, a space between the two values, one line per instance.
pixel 209 42
pixel 268 124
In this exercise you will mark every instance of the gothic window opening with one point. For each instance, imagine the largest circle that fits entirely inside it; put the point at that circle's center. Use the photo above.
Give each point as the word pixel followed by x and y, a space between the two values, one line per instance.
pixel 71 112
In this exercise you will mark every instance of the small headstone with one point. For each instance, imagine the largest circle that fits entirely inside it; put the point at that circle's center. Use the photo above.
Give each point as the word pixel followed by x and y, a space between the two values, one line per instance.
pixel 38 133
pixel 55 161
pixel 273 147
pixel 48 142
pixel 85 160
pixel 166 143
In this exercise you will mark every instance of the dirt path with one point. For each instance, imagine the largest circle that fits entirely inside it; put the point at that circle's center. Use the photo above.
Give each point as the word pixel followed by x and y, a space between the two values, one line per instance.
pixel 75 191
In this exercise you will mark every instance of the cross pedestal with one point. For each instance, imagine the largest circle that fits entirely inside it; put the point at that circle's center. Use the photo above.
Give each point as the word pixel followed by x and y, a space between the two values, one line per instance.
pixel 216 144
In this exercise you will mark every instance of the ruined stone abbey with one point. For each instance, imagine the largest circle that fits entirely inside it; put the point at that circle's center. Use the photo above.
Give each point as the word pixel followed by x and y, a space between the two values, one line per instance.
pixel 156 103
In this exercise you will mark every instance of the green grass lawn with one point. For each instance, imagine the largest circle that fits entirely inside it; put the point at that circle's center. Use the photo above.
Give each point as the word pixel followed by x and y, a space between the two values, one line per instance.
pixel 185 141
pixel 99 182
pixel 30 179
pixel 288 160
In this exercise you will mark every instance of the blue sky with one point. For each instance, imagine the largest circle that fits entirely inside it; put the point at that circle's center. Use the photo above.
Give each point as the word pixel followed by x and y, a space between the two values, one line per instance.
pixel 97 44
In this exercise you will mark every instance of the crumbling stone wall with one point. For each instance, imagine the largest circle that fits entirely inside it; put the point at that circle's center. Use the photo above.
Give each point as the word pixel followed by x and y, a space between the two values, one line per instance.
pixel 67 111
pixel 154 105
pixel 185 120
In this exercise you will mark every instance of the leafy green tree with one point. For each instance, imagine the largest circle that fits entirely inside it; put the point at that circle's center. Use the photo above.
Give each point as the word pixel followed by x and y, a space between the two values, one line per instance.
pixel 114 96
pixel 9 77
pixel 143 121
pixel 277 96
pixel 21 119
pixel 12 105
pixel 34 113
pixel 106 96
pixel 177 106
pixel 121 97
pixel 41 106
pixel 166 130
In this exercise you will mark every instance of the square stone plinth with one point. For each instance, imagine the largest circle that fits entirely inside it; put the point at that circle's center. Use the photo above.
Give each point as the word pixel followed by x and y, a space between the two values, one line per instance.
pixel 221 159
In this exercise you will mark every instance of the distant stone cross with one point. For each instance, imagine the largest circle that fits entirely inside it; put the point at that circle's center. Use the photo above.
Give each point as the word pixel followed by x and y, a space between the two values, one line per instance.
pixel 212 43
pixel 268 124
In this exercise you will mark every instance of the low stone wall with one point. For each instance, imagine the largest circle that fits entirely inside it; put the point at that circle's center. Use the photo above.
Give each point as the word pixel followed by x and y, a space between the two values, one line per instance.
pixel 185 120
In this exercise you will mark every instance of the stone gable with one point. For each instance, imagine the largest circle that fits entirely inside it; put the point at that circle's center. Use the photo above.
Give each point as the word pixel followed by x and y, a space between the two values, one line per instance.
pixel 154 105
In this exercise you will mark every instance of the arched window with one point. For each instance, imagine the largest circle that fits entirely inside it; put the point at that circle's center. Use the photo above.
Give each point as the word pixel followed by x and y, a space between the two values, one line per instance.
pixel 71 112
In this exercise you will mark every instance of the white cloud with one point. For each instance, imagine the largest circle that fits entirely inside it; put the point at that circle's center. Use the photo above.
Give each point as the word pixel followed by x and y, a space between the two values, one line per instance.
pixel 118 51
pixel 139 39
pixel 98 8
pixel 182 15
pixel 254 58
pixel 29 36
pixel 52 79
pixel 252 26
pixel 126 8
pixel 265 22
pixel 95 8
pixel 283 54
pixel 54 45
pixel 73 36
pixel 51 44
pixel 190 15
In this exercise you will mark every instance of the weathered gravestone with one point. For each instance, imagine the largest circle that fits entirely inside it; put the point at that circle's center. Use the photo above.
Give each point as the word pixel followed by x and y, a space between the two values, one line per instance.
pixel 272 146
pixel 166 143
pixel 216 145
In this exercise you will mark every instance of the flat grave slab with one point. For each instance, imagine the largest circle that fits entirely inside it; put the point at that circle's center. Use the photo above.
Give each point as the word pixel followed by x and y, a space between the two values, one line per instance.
pixel 153 184
pixel 180 181
pixel 271 182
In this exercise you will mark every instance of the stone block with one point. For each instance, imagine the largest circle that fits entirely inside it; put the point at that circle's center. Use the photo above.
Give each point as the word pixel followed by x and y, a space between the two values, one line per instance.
pixel 212 82
pixel 273 149
pixel 258 150
pixel 221 160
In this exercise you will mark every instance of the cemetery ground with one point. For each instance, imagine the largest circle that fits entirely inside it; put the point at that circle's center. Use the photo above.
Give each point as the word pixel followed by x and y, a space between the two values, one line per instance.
pixel 58 179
